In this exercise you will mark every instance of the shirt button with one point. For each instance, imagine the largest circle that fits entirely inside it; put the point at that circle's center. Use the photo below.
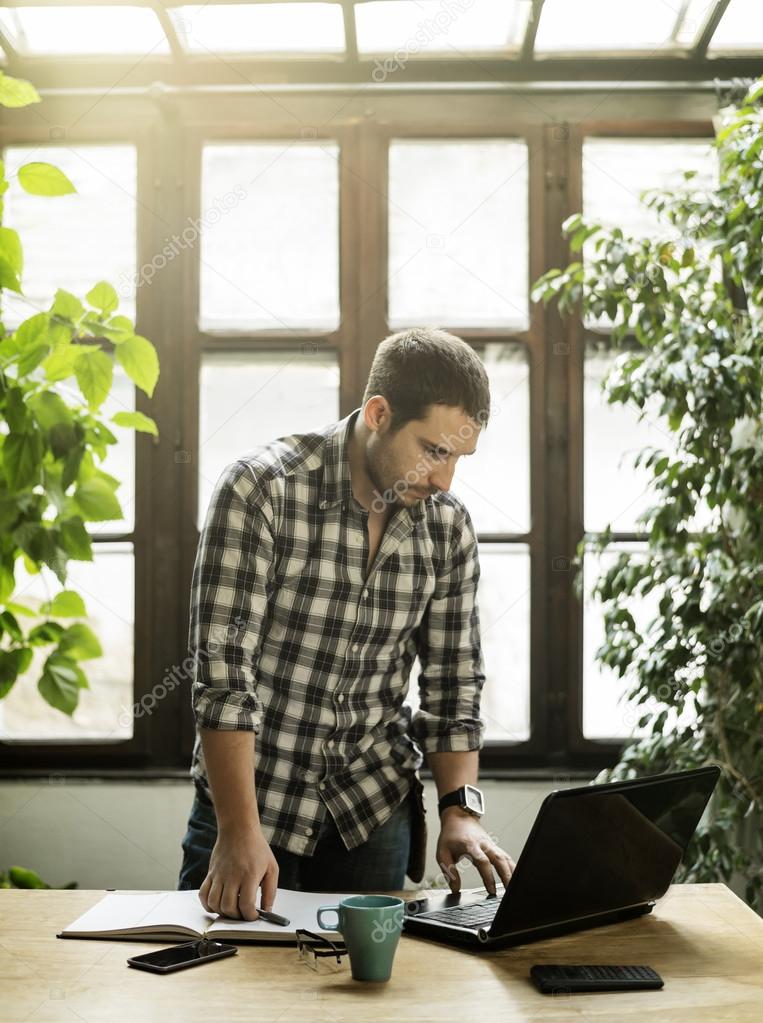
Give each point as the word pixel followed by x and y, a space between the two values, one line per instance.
pixel 308 831
pixel 364 595
pixel 322 785
pixel 340 698
pixel 355 648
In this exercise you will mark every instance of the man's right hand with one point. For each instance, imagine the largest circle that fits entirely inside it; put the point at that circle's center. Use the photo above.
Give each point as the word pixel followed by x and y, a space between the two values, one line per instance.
pixel 241 862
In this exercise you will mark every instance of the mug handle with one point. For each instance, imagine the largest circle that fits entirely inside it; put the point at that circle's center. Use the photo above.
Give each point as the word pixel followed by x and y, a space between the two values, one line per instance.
pixel 328 909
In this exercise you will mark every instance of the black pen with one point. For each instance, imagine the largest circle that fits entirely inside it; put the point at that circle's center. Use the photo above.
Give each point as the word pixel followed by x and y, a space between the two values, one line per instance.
pixel 273 918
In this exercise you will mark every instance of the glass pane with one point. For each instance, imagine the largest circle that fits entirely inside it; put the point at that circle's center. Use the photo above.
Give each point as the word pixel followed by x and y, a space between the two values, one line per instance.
pixel 606 712
pixel 695 16
pixel 410 27
pixel 617 171
pixel 495 483
pixel 84 30
pixel 104 712
pixel 589 25
pixel 270 255
pixel 260 28
pixel 73 241
pixel 616 491
pixel 120 457
pixel 251 398
pixel 741 27
pixel 458 233
pixel 504 603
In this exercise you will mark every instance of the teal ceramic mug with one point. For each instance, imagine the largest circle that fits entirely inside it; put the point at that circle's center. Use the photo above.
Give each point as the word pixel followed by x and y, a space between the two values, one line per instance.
pixel 370 926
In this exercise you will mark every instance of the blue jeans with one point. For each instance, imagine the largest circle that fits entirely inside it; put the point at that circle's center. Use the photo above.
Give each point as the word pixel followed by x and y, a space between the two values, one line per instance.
pixel 377 865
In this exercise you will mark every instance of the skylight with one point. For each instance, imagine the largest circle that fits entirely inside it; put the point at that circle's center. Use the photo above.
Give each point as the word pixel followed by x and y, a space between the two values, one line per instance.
pixel 260 28
pixel 83 30
pixel 592 25
pixel 430 26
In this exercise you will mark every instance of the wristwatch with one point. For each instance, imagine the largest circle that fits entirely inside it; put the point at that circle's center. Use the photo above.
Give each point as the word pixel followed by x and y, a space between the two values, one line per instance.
pixel 468 797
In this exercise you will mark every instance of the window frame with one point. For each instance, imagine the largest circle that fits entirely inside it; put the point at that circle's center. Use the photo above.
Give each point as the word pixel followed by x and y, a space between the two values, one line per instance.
pixel 580 337
pixel 170 133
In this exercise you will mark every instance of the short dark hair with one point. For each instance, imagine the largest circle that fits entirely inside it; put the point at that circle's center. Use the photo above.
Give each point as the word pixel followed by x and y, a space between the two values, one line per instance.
pixel 425 366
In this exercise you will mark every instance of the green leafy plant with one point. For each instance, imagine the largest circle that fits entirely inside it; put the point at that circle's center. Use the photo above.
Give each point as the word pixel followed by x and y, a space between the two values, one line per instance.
pixel 21 877
pixel 686 314
pixel 56 370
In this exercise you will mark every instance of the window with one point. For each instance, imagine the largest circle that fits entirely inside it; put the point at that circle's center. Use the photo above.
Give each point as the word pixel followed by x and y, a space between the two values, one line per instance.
pixel 269 236
pixel 251 398
pixel 38 31
pixel 308 228
pixel 263 28
pixel 458 233
pixel 73 241
pixel 615 492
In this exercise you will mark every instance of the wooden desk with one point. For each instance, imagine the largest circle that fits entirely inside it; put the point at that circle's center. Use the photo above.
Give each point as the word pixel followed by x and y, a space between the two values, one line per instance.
pixel 706 944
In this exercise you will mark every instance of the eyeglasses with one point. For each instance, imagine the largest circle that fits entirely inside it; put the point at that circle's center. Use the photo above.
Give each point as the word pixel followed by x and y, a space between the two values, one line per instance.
pixel 318 952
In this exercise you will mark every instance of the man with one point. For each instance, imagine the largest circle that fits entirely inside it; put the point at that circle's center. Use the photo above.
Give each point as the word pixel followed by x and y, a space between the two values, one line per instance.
pixel 328 561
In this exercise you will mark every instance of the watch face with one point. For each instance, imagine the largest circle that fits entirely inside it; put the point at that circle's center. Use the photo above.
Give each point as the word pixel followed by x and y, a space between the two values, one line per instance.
pixel 474 800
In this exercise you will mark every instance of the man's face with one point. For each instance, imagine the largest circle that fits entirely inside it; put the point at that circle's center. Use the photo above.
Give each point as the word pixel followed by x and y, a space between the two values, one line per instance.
pixel 420 458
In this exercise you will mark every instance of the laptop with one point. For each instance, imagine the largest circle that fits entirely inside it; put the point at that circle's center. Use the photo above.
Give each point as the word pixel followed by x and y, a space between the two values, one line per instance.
pixel 596 855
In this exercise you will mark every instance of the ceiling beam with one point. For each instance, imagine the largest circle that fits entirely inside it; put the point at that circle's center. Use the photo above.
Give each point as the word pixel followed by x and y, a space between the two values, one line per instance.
pixel 528 43
pixel 712 21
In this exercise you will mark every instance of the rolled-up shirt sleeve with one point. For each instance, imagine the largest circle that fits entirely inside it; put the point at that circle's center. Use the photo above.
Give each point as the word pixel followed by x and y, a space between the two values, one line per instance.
pixel 450 653
pixel 232 571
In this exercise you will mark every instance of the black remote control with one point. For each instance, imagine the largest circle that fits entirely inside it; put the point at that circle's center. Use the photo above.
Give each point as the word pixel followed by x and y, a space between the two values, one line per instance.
pixel 559 979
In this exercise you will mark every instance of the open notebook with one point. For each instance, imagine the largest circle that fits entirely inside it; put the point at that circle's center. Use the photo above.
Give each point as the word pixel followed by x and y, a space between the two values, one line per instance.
pixel 179 916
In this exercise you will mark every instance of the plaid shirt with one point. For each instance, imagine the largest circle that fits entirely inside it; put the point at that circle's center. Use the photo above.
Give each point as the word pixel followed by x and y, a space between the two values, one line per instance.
pixel 293 642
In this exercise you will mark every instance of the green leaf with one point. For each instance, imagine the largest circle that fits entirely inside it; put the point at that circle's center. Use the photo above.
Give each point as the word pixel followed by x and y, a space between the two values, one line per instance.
pixel 49 409
pixel 136 420
pixel 9 624
pixel 44 179
pixel 76 539
pixel 67 305
pixel 8 276
pixel 45 633
pixel 17 92
pixel 96 500
pixel 12 664
pixel 22 458
pixel 23 878
pixel 103 297
pixel 16 414
pixel 31 358
pixel 21 609
pixel 60 364
pixel 80 643
pixel 121 328
pixel 139 359
pixel 7 584
pixel 94 375
pixel 33 330
pixel 66 604
pixel 10 247
pixel 59 684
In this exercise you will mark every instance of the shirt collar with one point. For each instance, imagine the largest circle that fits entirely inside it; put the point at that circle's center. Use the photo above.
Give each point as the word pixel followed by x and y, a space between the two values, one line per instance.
pixel 336 485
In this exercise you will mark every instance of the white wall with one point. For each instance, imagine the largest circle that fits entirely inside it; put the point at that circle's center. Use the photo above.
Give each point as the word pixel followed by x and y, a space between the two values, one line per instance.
pixel 127 834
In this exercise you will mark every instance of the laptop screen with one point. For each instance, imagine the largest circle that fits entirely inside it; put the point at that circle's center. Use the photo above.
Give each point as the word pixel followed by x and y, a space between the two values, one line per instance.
pixel 604 847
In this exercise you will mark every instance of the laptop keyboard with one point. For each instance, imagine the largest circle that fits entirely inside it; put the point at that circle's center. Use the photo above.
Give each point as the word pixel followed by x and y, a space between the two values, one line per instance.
pixel 479 914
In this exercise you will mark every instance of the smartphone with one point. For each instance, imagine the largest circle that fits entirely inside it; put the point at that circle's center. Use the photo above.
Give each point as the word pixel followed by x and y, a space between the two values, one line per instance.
pixel 179 957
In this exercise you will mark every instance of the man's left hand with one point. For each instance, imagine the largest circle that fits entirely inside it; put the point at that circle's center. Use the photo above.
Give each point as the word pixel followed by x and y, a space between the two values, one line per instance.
pixel 461 834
